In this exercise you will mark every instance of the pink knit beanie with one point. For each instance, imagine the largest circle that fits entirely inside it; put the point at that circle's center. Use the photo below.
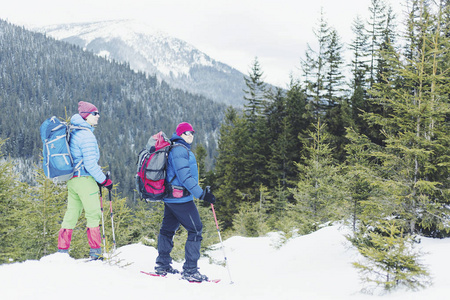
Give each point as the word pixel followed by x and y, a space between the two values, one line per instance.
pixel 84 108
pixel 183 127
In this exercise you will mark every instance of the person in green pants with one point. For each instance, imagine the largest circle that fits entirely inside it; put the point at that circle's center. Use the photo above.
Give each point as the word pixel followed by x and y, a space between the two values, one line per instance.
pixel 83 187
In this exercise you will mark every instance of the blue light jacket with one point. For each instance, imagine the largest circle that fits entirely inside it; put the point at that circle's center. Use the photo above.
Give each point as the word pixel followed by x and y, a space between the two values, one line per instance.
pixel 183 166
pixel 83 146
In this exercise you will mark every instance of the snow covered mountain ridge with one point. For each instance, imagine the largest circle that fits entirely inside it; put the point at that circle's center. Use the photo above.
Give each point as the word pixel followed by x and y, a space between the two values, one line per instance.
pixel 152 51
pixel 149 42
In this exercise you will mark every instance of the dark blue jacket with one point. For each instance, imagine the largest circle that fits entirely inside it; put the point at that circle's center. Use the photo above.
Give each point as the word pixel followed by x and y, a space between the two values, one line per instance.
pixel 183 166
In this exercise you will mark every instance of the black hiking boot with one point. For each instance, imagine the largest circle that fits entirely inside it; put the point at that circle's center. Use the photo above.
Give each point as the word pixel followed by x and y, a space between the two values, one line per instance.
pixel 163 271
pixel 193 275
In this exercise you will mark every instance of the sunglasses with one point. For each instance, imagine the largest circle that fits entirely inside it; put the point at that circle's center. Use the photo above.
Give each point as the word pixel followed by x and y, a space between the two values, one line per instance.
pixel 94 113
pixel 189 133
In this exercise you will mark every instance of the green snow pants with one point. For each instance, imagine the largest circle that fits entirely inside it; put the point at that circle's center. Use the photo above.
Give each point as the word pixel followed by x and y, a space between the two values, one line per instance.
pixel 83 192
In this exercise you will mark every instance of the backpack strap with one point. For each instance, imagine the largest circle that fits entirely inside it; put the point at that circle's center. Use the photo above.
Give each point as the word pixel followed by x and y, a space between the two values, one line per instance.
pixel 71 128
pixel 169 184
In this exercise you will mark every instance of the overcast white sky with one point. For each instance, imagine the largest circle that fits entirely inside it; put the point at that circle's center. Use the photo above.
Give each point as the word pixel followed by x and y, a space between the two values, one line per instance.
pixel 231 31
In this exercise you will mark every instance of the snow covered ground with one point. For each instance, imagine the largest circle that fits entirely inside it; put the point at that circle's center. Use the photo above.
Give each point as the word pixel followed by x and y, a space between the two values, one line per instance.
pixel 315 266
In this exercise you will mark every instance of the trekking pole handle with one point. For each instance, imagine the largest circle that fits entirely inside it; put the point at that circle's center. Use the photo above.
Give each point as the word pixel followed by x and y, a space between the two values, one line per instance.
pixel 108 174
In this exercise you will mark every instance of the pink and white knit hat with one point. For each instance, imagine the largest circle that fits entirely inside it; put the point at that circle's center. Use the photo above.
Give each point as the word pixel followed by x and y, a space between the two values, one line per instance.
pixel 84 108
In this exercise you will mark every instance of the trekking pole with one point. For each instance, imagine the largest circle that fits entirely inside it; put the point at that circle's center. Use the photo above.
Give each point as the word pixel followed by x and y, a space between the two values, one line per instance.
pixel 208 189
pixel 103 222
pixel 112 219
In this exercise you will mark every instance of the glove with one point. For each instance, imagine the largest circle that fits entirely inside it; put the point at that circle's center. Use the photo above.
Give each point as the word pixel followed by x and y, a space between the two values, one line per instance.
pixel 207 196
pixel 107 183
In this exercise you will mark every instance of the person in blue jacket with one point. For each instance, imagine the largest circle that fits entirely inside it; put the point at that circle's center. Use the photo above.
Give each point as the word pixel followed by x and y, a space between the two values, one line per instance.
pixel 83 187
pixel 179 206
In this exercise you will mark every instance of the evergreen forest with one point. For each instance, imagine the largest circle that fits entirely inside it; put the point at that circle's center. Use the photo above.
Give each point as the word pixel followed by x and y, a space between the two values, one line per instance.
pixel 369 148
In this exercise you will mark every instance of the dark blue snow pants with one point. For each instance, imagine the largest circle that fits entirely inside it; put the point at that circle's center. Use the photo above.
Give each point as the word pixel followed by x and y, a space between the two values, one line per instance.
pixel 176 214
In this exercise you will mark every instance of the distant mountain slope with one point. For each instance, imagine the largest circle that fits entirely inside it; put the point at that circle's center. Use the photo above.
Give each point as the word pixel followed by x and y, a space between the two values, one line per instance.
pixel 154 52
pixel 41 77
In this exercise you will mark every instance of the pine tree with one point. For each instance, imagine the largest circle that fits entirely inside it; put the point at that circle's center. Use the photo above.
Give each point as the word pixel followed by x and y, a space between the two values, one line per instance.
pixel 415 131
pixel 298 120
pixel 256 148
pixel 386 50
pixel 377 19
pixel 385 72
pixel 360 68
pixel 277 133
pixel 13 207
pixel 279 164
pixel 255 94
pixel 282 216
pixel 403 185
pixel 361 171
pixel 338 111
pixel 200 155
pixel 324 81
pixel 333 81
pixel 44 221
pixel 391 260
pixel 315 69
pixel 250 220
pixel 231 174
pixel 318 194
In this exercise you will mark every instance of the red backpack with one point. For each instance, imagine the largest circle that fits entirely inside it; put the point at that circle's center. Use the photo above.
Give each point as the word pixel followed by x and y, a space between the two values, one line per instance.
pixel 151 168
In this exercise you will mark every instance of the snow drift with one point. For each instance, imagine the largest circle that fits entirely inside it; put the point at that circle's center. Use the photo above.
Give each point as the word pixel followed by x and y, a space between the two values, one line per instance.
pixel 315 266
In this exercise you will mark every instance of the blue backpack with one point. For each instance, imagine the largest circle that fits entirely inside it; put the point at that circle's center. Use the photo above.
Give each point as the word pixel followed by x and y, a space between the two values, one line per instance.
pixel 57 160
